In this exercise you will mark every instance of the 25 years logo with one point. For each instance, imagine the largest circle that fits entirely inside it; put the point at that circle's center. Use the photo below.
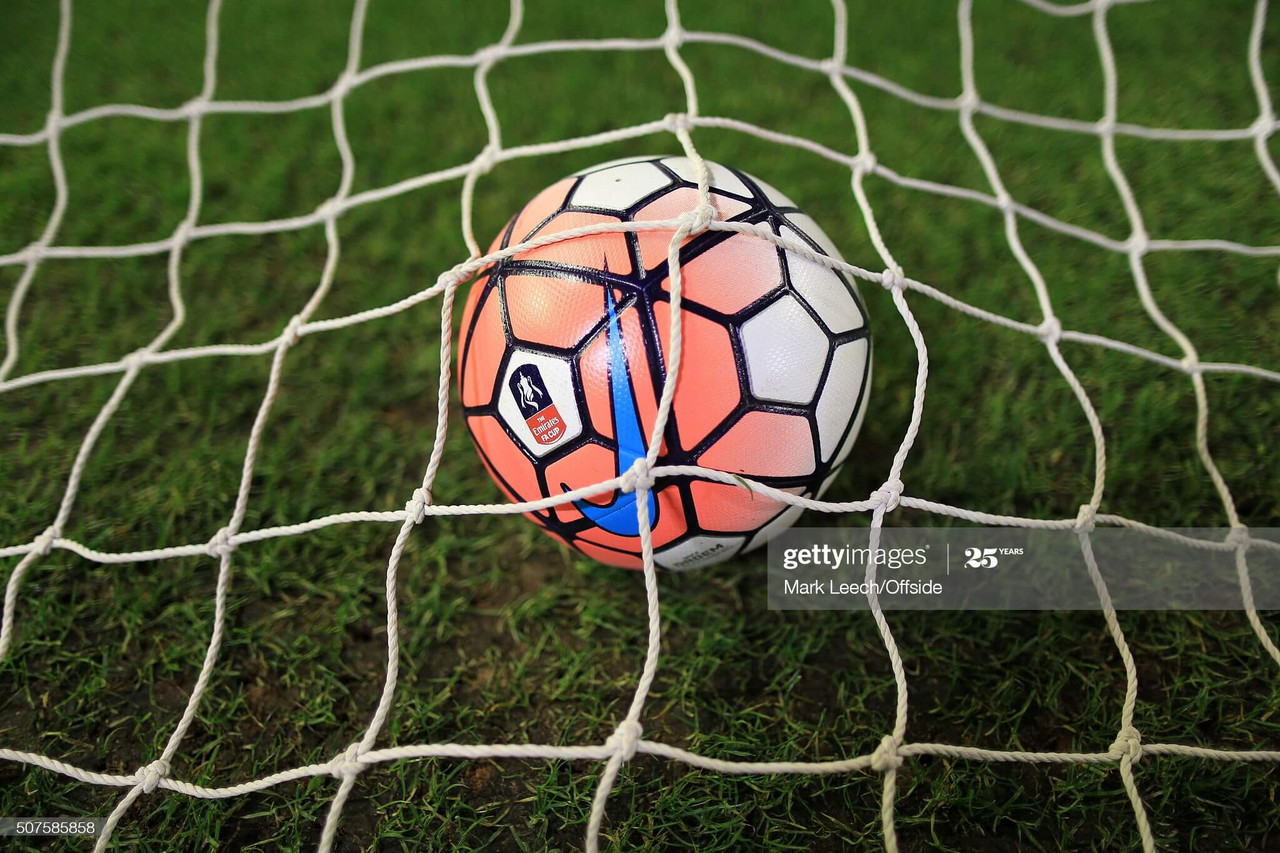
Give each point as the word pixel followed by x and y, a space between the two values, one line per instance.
pixel 981 558
pixel 988 558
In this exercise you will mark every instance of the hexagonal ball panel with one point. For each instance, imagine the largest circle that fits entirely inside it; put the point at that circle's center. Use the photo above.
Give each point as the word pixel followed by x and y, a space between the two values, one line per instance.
pixel 825 292
pixel 840 394
pixel 785 352
pixel 721 178
pixel 620 187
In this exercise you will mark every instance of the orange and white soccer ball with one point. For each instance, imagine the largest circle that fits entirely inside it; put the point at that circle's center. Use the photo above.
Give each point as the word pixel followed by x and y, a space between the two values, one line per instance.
pixel 564 347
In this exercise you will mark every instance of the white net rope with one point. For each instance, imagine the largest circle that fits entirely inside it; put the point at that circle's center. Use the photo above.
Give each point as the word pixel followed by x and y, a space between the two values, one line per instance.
pixel 626 741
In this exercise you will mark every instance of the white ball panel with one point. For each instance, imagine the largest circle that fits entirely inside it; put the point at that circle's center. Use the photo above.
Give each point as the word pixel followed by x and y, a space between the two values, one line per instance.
pixel 698 551
pixel 774 194
pixel 721 178
pixel 857 421
pixel 840 394
pixel 826 292
pixel 558 380
pixel 803 222
pixel 785 352
pixel 620 187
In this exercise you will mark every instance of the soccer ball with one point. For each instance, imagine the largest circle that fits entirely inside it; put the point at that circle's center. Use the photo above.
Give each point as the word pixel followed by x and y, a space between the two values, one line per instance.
pixel 563 347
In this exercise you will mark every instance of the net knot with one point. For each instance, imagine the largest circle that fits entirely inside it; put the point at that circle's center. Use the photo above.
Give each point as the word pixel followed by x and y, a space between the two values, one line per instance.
pixel 182 234
pixel 888 495
pixel 342 86
pixel 194 107
pixel 969 101
pixel 135 359
pixel 1264 126
pixel 625 739
pixel 416 506
pixel 453 276
pixel 292 332
pixel 489 54
pixel 886 756
pixel 673 37
pixel 1128 743
pixel 1085 518
pixel 1238 537
pixel 151 775
pixel 43 544
pixel 639 476
pixel 347 763
pixel 678 122
pixel 1105 126
pixel 220 545
pixel 1189 363
pixel 865 163
pixel 892 278
pixel 1138 243
pixel 486 159
pixel 1050 330
pixel 698 219
pixel 329 209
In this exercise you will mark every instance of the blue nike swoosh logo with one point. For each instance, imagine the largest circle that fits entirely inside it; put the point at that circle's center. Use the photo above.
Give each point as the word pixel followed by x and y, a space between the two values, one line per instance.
pixel 619 517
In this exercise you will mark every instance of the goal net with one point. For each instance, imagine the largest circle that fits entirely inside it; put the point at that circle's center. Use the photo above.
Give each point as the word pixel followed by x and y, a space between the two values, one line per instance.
pixel 629 738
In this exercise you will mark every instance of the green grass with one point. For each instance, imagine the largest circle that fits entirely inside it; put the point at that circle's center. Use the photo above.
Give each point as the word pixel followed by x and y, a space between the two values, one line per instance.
pixel 505 636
